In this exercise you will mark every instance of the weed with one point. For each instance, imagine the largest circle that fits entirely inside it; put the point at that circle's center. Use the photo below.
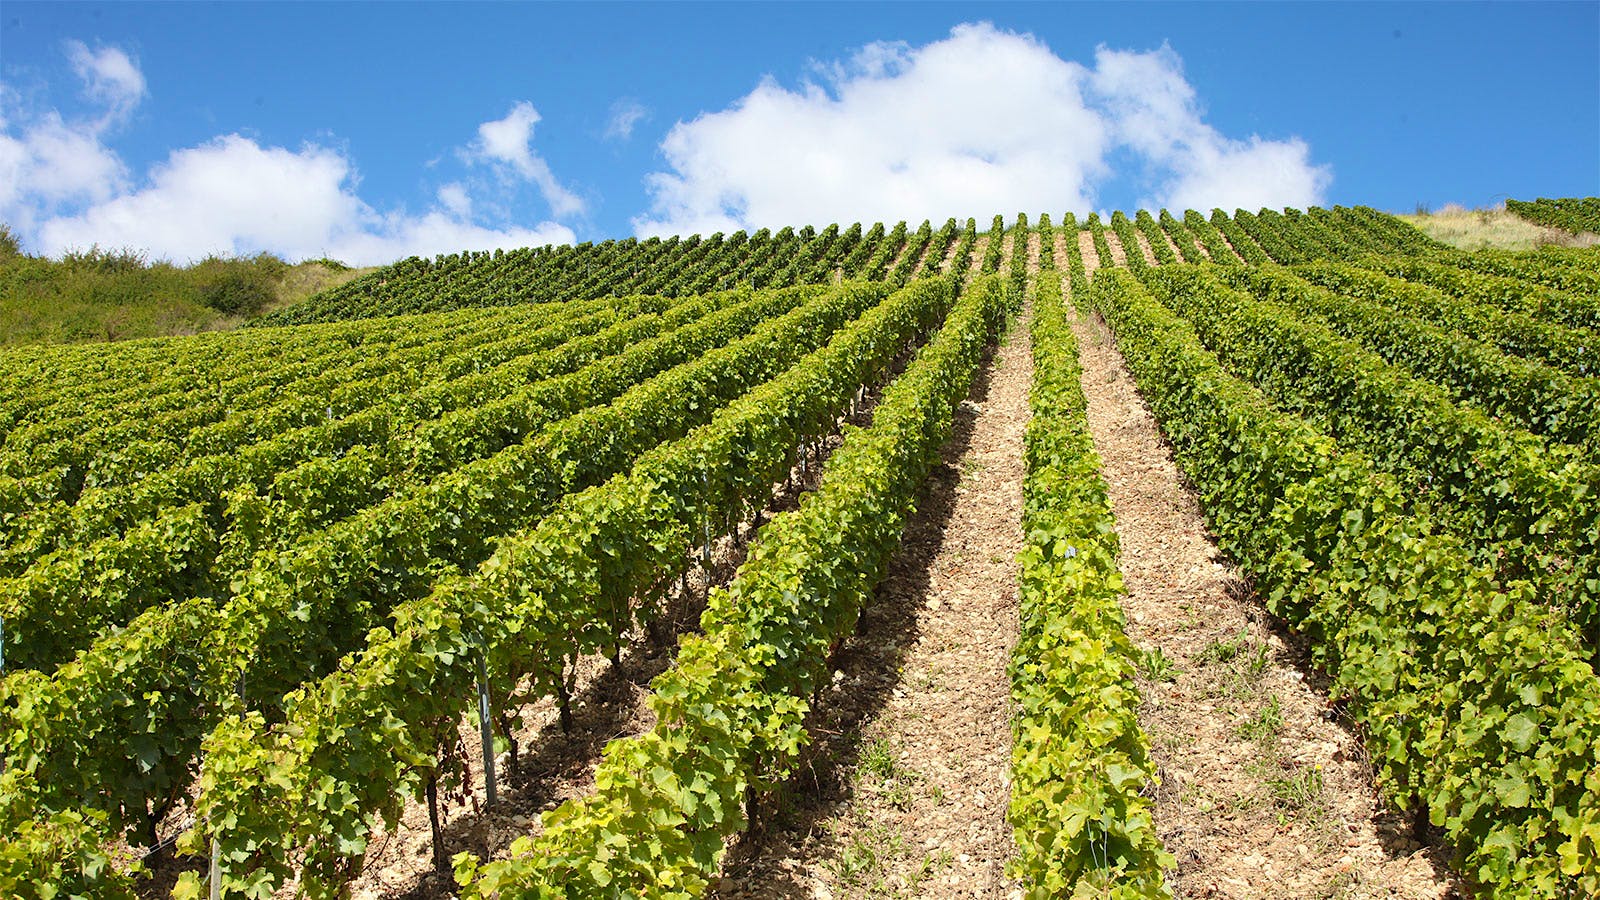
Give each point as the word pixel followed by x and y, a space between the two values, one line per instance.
pixel 1220 650
pixel 861 861
pixel 1156 665
pixel 1340 885
pixel 1298 791
pixel 1257 662
pixel 928 682
pixel 1197 797
pixel 894 781
pixel 878 760
pixel 897 793
pixel 856 859
pixel 1264 725
pixel 928 866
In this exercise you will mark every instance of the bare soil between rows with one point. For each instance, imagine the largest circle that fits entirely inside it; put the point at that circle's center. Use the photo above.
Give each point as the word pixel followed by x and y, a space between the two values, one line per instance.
pixel 1264 792
pixel 904 792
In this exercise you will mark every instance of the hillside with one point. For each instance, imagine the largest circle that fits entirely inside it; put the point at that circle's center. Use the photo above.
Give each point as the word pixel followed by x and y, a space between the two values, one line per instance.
pixel 1165 555
pixel 110 296
pixel 113 296
pixel 677 267
pixel 1494 229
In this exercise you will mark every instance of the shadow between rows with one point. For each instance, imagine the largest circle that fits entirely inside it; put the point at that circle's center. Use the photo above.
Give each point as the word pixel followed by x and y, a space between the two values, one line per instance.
pixel 869 663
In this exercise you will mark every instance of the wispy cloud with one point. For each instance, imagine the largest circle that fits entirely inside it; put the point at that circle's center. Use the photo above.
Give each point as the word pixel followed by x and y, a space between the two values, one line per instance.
pixel 110 77
pixel 49 162
pixel 454 197
pixel 509 142
pixel 625 114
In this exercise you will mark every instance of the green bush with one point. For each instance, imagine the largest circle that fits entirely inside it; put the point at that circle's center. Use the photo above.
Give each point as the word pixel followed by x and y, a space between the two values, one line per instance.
pixel 233 286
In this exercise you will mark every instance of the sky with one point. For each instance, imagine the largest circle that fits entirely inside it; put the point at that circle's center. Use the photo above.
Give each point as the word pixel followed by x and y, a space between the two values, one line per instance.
pixel 372 131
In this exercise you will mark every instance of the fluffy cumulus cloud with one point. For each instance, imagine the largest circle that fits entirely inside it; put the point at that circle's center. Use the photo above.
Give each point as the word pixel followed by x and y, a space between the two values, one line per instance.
pixel 233 195
pixel 893 133
pixel 63 187
pixel 53 163
pixel 230 195
pixel 1153 110
pixel 983 120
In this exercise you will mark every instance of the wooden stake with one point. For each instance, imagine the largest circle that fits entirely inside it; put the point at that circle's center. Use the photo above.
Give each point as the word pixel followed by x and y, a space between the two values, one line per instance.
pixel 216 869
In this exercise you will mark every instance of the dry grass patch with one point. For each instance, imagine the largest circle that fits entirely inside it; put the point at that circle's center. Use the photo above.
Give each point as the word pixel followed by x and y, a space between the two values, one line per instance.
pixel 309 277
pixel 1492 229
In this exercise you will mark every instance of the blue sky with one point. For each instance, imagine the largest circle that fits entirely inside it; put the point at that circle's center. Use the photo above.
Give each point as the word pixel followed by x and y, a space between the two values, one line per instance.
pixel 369 131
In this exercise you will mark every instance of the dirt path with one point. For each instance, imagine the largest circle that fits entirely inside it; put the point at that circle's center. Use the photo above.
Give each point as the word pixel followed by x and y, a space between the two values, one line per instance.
pixel 1145 249
pixel 1172 244
pixel 1119 255
pixel 900 251
pixel 556 766
pixel 1091 256
pixel 1234 250
pixel 923 262
pixel 980 248
pixel 1262 794
pixel 950 255
pixel 1008 248
pixel 907 788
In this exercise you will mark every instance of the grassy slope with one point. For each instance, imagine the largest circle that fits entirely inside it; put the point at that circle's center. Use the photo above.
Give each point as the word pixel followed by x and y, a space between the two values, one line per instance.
pixel 1477 229
pixel 118 298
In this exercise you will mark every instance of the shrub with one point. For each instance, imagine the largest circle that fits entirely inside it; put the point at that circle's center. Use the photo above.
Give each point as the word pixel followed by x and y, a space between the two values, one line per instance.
pixel 238 286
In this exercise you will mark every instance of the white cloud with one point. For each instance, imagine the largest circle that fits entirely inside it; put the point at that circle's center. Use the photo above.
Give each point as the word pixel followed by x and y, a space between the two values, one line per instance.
pixel 54 162
pixel 1157 114
pixel 625 113
pixel 982 121
pixel 397 235
pixel 110 77
pixel 62 187
pixel 50 161
pixel 234 196
pixel 227 196
pixel 1249 175
pixel 454 198
pixel 509 141
pixel 903 134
